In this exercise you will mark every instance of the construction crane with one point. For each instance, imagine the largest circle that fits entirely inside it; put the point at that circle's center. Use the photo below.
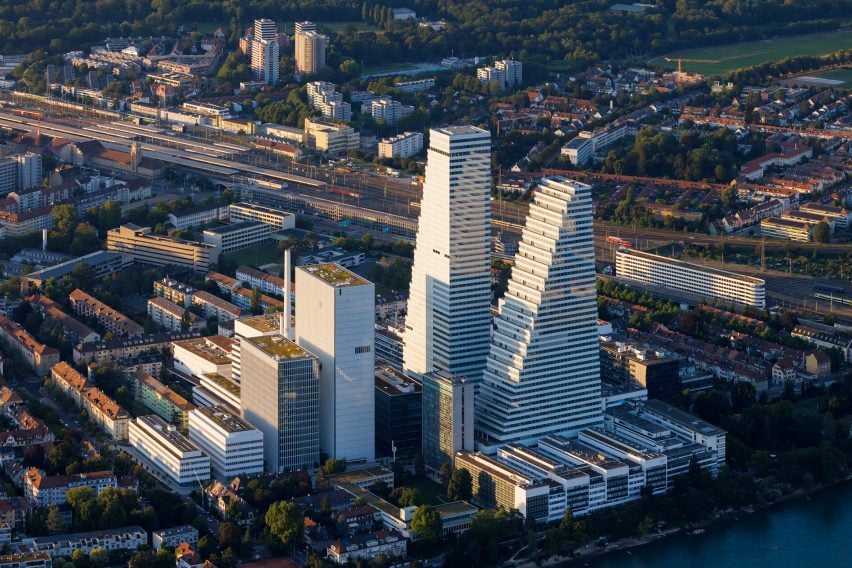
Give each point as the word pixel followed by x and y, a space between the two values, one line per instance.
pixel 680 60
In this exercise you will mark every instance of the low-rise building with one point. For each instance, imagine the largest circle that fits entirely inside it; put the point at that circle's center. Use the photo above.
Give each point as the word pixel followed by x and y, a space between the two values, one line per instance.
pixel 203 355
pixel 142 246
pixel 173 317
pixel 161 446
pixel 101 262
pixel 818 363
pixel 255 278
pixel 389 544
pixel 278 219
pixel 126 348
pixel 198 216
pixel 172 537
pixel 73 330
pixel 26 560
pixel 44 490
pixel 174 291
pixel 403 145
pixel 61 545
pixel 112 320
pixel 827 339
pixel 215 306
pixel 785 228
pixel 235 447
pixel 37 355
pixel 238 236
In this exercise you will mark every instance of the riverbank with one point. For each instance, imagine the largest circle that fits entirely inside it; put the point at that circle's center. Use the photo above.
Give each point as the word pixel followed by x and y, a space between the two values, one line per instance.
pixel 593 552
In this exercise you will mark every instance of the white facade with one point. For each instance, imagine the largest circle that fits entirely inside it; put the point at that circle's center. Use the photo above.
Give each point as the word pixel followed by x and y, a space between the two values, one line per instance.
pixel 252 326
pixel 235 447
pixel 278 219
pixel 237 236
pixel 512 71
pixel 404 145
pixel 280 397
pixel 543 371
pixel 324 97
pixel 449 308
pixel 161 445
pixel 200 356
pixel 389 110
pixel 29 170
pixel 691 278
pixel 310 48
pixel 265 51
pixel 335 321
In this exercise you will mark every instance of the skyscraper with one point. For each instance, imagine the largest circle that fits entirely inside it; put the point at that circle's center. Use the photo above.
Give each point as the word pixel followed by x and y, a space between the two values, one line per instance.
pixel 265 51
pixel 543 371
pixel 447 418
pixel 280 397
pixel 335 316
pixel 449 306
pixel 310 48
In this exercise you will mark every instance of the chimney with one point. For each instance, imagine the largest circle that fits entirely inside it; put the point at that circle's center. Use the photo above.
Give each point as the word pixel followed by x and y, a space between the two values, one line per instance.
pixel 286 317
pixel 44 239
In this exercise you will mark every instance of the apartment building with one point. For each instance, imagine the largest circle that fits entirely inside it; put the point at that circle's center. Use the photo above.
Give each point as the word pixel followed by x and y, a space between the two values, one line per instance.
pixel 786 229
pixel 310 48
pixel 174 291
pixel 278 219
pixel 74 331
pixel 126 348
pixel 235 447
pixel 403 145
pixel 112 320
pixel 62 545
pixel 110 416
pixel 388 110
pixel 702 281
pixel 324 97
pixel 37 355
pixel 141 245
pixel 44 490
pixel 19 224
pixel 174 536
pixel 173 317
pixel 215 306
pixel 163 401
pixel 160 445
pixel 254 278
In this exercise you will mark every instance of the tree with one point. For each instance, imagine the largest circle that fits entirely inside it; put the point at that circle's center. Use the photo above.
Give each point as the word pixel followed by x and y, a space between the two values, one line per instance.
pixel 426 523
pixel 332 466
pixel 229 534
pixel 285 523
pixel 460 487
pixel 185 320
pixel 54 521
pixel 406 496
pixel 822 232
pixel 743 395
pixel 99 557
pixel 255 306
pixel 65 217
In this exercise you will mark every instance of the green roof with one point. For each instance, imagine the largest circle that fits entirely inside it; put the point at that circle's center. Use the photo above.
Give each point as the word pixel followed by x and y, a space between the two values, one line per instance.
pixel 279 346
pixel 335 275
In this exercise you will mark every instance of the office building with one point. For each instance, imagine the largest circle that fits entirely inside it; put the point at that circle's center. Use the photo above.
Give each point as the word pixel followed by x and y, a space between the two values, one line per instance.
pixel 280 397
pixel 160 445
pixel 543 371
pixel 142 246
pixel 310 48
pixel 252 326
pixel 199 356
pixel 700 281
pixel 237 236
pixel 448 415
pixel 334 139
pixel 265 51
pixel 449 308
pixel 404 145
pixel 399 413
pixel 336 316
pixel 655 371
pixel 235 447
pixel 278 219
pixel 214 389
pixel 389 346
pixel 8 174
pixel 174 536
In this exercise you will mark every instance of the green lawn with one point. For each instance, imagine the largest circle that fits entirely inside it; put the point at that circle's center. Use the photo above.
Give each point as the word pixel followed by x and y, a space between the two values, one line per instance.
pixel 334 27
pixel 256 255
pixel 844 75
pixel 431 492
pixel 722 59
pixel 205 27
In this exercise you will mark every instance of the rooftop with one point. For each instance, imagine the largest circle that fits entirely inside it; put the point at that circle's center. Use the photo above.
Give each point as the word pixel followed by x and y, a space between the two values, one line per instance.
pixel 263 323
pixel 678 416
pixel 222 382
pixel 225 420
pixel 234 227
pixel 279 347
pixel 335 275
pixel 207 350
pixel 169 433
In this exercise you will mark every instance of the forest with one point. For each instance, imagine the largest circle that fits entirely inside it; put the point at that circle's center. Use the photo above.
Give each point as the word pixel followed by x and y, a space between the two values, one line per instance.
pixel 562 35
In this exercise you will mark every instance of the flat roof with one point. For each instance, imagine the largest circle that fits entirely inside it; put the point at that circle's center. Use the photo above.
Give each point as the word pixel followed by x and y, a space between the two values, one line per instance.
pixel 691 266
pixel 234 227
pixel 225 420
pixel 201 347
pixel 169 432
pixel 335 275
pixel 460 130
pixel 679 416
pixel 263 322
pixel 222 382
pixel 279 347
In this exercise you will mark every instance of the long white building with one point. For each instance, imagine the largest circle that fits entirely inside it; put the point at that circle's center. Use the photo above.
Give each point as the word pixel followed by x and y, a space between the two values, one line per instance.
pixel 235 447
pixel 449 308
pixel 709 283
pixel 543 371
pixel 336 315
pixel 163 447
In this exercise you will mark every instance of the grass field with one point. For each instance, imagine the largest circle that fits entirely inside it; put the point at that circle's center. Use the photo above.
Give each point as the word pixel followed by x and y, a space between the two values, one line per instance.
pixel 844 75
pixel 333 27
pixel 256 255
pixel 723 59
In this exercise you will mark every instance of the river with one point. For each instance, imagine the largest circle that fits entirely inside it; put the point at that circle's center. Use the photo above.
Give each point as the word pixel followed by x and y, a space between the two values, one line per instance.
pixel 809 531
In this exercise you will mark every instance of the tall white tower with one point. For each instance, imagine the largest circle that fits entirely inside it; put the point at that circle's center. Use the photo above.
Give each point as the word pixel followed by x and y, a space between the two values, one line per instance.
pixel 265 51
pixel 449 306
pixel 310 48
pixel 335 320
pixel 543 371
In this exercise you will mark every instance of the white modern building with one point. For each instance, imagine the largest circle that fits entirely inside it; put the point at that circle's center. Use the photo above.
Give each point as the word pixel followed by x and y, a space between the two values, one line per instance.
pixel 324 97
pixel 160 445
pixel 310 48
pixel 280 397
pixel 237 236
pixel 701 281
pixel 265 51
pixel 278 219
pixel 335 320
pixel 235 447
pixel 389 110
pixel 543 371
pixel 448 325
pixel 252 326
pixel 506 73
pixel 201 355
pixel 404 145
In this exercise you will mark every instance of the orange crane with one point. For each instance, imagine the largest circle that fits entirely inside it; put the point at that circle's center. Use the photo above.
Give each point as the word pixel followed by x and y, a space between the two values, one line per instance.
pixel 680 61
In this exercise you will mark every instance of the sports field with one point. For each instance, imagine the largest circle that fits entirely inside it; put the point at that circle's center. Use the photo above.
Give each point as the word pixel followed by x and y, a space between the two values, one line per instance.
pixel 333 27
pixel 722 59
pixel 844 75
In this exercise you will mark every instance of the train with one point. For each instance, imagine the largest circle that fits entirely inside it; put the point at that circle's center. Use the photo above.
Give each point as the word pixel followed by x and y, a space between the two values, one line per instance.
pixel 620 242
pixel 345 192
pixel 831 298
pixel 829 288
